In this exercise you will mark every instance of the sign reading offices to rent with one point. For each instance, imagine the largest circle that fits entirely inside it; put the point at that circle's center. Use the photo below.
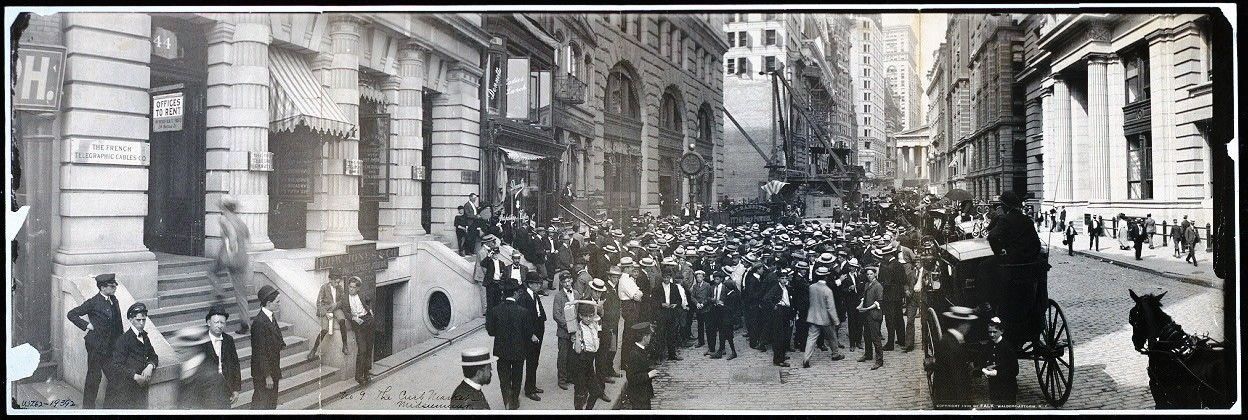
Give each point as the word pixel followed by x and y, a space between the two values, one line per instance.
pixel 112 152
pixel 167 112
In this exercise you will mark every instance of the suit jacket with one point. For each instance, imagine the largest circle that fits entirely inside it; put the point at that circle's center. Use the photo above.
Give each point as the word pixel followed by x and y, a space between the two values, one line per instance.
pixel 637 365
pixel 536 311
pixel 893 278
pixel 873 292
pixel 130 357
pixel 753 284
pixel 105 320
pixel 511 327
pixel 487 265
pixel 611 308
pixel 461 223
pixel 822 308
pixel 701 294
pixel 466 397
pixel 325 302
pixel 266 348
pixel 470 210
pixel 209 389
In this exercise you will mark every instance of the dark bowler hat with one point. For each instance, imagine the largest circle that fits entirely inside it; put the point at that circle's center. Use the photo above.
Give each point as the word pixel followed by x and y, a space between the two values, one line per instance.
pixel 476 356
pixel 136 309
pixel 217 309
pixel 267 293
pixel 105 279
pixel 642 328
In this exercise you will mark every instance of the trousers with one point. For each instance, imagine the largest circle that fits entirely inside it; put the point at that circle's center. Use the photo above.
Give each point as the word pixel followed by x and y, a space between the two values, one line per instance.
pixel 363 351
pixel 585 384
pixel 509 374
pixel 563 360
pixel 871 337
pixel 894 323
pixel 608 342
pixel 816 333
pixel 95 368
pixel 264 398
pixel 530 367
pixel 241 279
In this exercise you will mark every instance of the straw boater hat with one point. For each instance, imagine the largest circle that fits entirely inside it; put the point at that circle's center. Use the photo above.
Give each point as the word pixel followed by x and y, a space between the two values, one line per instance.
pixel 476 356
pixel 617 233
pixel 625 262
pixel 826 258
pixel 802 265
pixel 669 261
pixel 633 244
pixel 823 270
pixel 610 248
pixel 751 257
pixel 598 285
pixel 615 271
pixel 888 248
pixel 647 262
pixel 960 313
pixel 853 262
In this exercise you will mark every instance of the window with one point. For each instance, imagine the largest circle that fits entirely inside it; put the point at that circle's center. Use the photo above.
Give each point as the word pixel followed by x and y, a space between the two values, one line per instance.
pixel 621 97
pixel 866 59
pixel 866 72
pixel 866 120
pixel 866 108
pixel 769 63
pixel 867 165
pixel 866 96
pixel 732 40
pixel 670 112
pixel 866 84
pixel 734 17
pixel 732 66
pixel 770 37
pixel 743 65
pixel 1136 63
pixel 866 132
pixel 866 48
pixel 743 39
pixel 866 36
pixel 1140 167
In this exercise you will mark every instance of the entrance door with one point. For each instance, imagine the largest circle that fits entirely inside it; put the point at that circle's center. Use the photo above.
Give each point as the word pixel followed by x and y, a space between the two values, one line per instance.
pixel 295 159
pixel 426 161
pixel 374 147
pixel 175 201
pixel 383 324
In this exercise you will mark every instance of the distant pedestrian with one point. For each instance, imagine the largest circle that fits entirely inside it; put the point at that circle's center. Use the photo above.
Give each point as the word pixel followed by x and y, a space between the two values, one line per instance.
pixel 1094 233
pixel 1138 237
pixel 1176 236
pixel 232 257
pixel 1150 229
pixel 1070 239
pixel 461 231
pixel 1123 232
pixel 475 364
pixel 1190 239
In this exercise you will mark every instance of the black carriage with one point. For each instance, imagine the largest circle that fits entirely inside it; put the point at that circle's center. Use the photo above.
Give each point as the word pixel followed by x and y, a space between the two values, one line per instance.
pixel 966 273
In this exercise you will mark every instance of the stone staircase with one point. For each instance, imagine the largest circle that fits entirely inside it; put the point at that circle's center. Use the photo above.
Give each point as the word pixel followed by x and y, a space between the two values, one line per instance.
pixel 185 297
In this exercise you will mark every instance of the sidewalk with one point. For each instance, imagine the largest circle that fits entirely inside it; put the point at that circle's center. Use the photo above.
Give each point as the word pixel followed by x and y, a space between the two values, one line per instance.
pixel 1160 260
pixel 427 383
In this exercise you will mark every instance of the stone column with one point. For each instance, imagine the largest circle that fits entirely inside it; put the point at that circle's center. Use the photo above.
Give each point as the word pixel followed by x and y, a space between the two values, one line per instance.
pixel 1048 148
pixel 406 145
pixel 1115 79
pixel 237 125
pixel 456 145
pixel 1062 140
pixel 342 202
pixel 1097 170
pixel 1161 57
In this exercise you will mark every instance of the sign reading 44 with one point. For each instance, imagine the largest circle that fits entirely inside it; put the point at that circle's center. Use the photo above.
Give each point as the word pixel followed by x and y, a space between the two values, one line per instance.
pixel 164 43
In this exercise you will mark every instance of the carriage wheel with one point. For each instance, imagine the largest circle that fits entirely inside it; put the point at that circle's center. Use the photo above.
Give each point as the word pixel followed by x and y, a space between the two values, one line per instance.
pixel 931 335
pixel 1055 357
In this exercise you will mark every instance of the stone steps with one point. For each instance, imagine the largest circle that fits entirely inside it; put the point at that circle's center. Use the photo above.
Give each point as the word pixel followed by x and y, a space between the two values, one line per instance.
pixel 293 387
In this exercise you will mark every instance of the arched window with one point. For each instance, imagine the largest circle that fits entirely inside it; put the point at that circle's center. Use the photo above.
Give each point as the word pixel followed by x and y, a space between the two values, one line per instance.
pixel 670 114
pixel 621 95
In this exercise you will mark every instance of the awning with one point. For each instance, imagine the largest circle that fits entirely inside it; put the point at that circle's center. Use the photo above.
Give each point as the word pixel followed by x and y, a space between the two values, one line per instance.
pixel 296 98
pixel 519 156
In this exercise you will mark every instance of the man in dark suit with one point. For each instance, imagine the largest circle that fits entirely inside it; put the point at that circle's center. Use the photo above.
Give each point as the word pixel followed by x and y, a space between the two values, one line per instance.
pixel 217 379
pixel 472 216
pixel 609 337
pixel 778 305
pixel 329 304
pixel 893 278
pixel 752 288
pixel 672 300
pixel 360 312
pixel 495 272
pixel 638 388
pixel 724 299
pixel 477 374
pixel 531 300
pixel 511 327
pixel 461 231
pixel 103 326
pixel 134 360
pixel 869 307
pixel 266 351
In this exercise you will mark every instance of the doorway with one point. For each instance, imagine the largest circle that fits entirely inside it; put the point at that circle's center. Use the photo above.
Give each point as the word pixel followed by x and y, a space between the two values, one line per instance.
pixel 374 153
pixel 383 321
pixel 175 198
pixel 295 159
pixel 426 160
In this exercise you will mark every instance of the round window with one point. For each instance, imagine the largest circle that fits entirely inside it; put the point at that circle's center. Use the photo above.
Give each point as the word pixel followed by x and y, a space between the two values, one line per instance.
pixel 439 311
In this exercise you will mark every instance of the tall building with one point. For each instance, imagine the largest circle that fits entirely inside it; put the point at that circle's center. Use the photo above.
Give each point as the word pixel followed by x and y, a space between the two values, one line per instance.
pixel 996 147
pixel 795 44
pixel 901 70
pixel 871 96
pixel 939 160
pixel 1126 114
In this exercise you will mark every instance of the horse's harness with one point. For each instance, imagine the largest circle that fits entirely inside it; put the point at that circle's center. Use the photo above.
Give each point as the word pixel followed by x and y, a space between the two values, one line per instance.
pixel 1179 347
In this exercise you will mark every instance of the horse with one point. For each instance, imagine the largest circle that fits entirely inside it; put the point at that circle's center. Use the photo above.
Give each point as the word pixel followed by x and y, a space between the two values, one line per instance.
pixel 1184 371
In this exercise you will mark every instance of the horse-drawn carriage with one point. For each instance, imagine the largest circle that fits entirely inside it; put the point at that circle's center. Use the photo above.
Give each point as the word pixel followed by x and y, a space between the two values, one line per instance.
pixel 967 274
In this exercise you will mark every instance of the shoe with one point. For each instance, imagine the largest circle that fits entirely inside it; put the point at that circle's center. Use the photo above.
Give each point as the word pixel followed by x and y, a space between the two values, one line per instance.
pixel 888 348
pixel 732 356
pixel 838 357
pixel 674 358
pixel 907 349
pixel 533 397
pixel 782 364
pixel 699 345
pixel 604 398
pixel 805 365
pixel 717 355
pixel 563 386
pixel 862 359
pixel 877 366
pixel 538 390
pixel 839 345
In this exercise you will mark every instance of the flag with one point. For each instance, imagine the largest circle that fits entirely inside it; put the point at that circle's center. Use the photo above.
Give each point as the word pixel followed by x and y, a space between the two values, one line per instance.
pixel 773 187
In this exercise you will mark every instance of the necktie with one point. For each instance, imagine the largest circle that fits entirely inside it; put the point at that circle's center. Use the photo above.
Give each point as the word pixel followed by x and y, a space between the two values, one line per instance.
pixel 116 310
pixel 143 337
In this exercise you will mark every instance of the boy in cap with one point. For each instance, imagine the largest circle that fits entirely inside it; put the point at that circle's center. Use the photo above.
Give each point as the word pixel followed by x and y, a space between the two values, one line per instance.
pixel 266 351
pixel 585 340
pixel 329 304
pixel 103 326
pixel 638 387
pixel 1001 367
pixel 133 361
pixel 475 364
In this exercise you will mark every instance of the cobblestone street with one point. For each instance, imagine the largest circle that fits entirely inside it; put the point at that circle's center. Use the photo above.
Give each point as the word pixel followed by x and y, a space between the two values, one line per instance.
pixel 1109 373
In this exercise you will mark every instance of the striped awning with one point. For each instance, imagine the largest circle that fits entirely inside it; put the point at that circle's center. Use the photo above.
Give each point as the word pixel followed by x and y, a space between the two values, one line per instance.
pixel 297 98
pixel 519 156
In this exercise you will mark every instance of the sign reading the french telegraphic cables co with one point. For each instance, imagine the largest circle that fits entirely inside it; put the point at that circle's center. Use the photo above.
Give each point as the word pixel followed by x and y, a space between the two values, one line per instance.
pixel 111 152
pixel 167 112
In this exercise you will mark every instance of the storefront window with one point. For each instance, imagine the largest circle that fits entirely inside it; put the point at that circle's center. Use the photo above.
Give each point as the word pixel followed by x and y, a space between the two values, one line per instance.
pixel 518 88
pixel 1136 63
pixel 1140 167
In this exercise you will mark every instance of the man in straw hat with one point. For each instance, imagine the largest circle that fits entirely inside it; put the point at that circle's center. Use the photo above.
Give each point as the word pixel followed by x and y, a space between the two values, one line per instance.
pixel 475 363
pixel 266 351
pixel 611 314
pixel 103 326
pixel 531 300
pixel 586 341
pixel 821 315
pixel 216 381
pixel 562 300
pixel 132 363
pixel 951 377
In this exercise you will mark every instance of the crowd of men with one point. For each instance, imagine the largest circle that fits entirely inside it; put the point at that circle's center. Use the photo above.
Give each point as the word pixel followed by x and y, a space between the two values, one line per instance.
pixel 788 287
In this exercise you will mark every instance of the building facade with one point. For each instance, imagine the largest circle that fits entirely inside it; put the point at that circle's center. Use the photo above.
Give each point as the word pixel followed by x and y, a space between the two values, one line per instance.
pixel 955 108
pixel 938 161
pixel 901 70
pixel 913 147
pixel 1126 110
pixel 996 147
pixel 342 136
pixel 871 95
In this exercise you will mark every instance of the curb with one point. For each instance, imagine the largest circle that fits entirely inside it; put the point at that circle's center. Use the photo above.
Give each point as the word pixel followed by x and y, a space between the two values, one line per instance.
pixel 1174 276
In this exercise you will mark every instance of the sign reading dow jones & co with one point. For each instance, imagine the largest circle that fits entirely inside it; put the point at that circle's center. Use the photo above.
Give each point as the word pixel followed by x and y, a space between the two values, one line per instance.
pixel 361 260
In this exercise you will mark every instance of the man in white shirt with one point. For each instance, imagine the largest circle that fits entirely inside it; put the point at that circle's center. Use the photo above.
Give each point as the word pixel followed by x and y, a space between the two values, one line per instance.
pixel 362 323
pixel 630 293
pixel 675 301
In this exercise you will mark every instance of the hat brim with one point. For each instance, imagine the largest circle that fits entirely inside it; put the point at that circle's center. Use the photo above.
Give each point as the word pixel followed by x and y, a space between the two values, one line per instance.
pixel 482 362
pixel 960 316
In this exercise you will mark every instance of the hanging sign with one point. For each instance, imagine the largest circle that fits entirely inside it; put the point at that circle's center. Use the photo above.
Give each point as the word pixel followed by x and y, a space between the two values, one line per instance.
pixel 40 70
pixel 167 112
